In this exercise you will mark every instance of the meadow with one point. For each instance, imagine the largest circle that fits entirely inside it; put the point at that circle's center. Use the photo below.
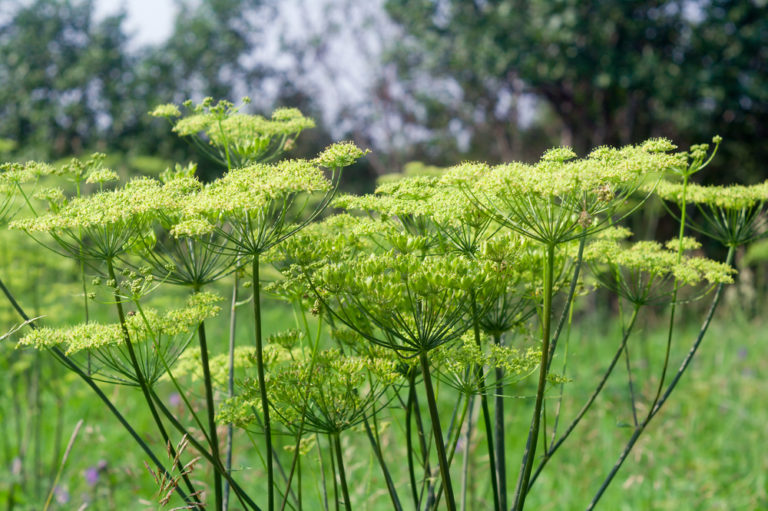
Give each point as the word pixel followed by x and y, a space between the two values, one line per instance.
pixel 477 337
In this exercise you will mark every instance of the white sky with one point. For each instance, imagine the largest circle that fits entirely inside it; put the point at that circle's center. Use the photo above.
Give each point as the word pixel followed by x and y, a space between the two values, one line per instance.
pixel 147 21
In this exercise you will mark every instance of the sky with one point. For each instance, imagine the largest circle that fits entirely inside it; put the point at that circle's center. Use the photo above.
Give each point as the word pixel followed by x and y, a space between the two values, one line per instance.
pixel 148 21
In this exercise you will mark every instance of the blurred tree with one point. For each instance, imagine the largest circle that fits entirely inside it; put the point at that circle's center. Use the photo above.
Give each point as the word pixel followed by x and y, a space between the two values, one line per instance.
pixel 728 80
pixel 61 75
pixel 609 72
pixel 70 83
pixel 209 53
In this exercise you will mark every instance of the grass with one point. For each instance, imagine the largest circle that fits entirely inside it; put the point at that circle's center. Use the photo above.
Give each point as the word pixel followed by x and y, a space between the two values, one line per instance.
pixel 704 451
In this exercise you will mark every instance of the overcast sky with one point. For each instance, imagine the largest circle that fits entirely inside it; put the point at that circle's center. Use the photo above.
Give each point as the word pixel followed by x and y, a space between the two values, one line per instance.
pixel 148 21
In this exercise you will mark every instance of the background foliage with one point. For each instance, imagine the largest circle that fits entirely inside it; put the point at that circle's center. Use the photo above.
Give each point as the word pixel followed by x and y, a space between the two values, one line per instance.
pixel 433 80
pixel 437 81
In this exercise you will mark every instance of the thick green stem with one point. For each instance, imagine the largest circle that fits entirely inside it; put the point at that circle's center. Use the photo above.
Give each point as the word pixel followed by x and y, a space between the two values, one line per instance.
pixel 104 399
pixel 501 459
pixel 465 461
pixel 660 402
pixel 486 413
pixel 584 409
pixel 230 386
pixel 453 443
pixel 212 434
pixel 143 382
pixel 262 383
pixel 342 475
pixel 533 435
pixel 409 442
pixel 437 433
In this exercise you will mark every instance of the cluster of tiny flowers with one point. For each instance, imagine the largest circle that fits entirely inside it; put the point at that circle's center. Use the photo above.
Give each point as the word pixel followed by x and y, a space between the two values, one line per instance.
pixel 150 325
pixel 651 258
pixel 731 197
pixel 15 174
pixel 102 176
pixel 558 174
pixel 458 363
pixel 341 154
pixel 133 203
pixel 222 123
pixel 331 393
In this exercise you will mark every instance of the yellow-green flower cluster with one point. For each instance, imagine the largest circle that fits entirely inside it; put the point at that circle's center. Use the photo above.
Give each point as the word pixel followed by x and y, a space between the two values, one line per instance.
pixel 147 326
pixel 459 363
pixel 227 126
pixel 341 154
pixel 337 238
pixel 417 302
pixel 412 169
pixel 73 339
pixel 244 358
pixel 14 174
pixel 600 174
pixel 391 277
pixel 424 196
pixel 330 394
pixel 248 192
pixel 731 197
pixel 236 138
pixel 652 259
pixel 102 176
pixel 133 203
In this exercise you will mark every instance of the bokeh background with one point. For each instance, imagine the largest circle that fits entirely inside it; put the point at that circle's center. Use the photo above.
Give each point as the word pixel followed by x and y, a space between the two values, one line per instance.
pixel 430 81
pixel 437 81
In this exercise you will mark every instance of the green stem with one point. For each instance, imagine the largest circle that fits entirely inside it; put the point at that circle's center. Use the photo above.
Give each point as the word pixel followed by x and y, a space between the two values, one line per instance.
pixel 486 413
pixel 262 384
pixel 211 413
pixel 342 475
pixel 322 471
pixel 453 443
pixel 409 441
pixel 333 471
pixel 501 460
pixel 465 462
pixel 64 359
pixel 437 433
pixel 533 435
pixel 567 308
pixel 660 402
pixel 556 445
pixel 143 383
pixel 230 386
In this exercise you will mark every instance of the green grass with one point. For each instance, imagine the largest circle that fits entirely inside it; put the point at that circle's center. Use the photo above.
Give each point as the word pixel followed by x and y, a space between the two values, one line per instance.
pixel 706 450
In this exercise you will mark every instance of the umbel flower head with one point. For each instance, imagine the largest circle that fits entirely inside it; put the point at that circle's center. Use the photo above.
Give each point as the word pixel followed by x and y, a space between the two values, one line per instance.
pixel 457 364
pixel 733 215
pixel 425 207
pixel 643 272
pixel 104 225
pixel 158 339
pixel 562 198
pixel 415 303
pixel 233 138
pixel 181 260
pixel 258 206
pixel 327 393
pixel 12 178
